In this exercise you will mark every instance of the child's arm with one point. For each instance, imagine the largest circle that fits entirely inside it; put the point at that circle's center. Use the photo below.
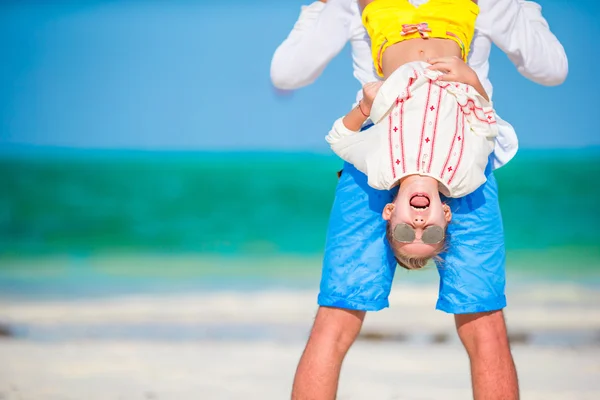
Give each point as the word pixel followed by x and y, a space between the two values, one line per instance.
pixel 355 119
pixel 456 70
pixel 360 149
pixel 345 137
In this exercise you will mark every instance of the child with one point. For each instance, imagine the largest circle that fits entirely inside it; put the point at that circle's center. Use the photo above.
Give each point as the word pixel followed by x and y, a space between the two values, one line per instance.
pixel 434 125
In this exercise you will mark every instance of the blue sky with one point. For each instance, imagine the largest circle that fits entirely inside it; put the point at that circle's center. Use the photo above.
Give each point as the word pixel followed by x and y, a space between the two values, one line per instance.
pixel 194 75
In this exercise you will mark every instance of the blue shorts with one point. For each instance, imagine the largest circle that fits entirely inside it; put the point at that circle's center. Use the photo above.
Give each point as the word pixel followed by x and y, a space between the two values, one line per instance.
pixel 358 267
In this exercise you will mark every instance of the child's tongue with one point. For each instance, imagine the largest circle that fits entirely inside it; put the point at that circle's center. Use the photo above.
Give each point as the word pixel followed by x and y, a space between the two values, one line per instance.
pixel 419 201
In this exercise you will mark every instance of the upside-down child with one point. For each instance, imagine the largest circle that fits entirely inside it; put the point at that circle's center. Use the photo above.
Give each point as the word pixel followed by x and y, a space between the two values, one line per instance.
pixel 434 126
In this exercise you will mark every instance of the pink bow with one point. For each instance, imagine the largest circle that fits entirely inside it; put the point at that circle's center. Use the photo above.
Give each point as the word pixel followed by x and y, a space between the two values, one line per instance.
pixel 421 28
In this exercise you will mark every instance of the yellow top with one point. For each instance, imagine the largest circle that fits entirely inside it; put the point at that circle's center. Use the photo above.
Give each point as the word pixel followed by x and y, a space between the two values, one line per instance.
pixel 392 21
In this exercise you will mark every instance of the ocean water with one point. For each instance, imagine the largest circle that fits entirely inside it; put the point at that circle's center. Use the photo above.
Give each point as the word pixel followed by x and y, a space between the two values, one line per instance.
pixel 96 221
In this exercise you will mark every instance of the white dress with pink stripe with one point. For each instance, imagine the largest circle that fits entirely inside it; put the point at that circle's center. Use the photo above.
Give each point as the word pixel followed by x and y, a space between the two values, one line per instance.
pixel 423 126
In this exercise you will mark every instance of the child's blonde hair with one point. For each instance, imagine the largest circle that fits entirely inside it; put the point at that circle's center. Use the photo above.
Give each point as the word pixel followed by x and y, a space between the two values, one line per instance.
pixel 407 261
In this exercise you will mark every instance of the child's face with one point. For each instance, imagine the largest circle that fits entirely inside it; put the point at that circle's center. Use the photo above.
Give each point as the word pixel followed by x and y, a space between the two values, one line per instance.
pixel 418 205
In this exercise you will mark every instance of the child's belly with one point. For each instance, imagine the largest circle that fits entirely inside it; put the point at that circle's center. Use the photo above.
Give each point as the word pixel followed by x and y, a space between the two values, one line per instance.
pixel 417 50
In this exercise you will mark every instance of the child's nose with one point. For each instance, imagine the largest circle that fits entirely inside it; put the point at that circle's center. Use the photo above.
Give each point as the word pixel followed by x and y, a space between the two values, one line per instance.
pixel 418 220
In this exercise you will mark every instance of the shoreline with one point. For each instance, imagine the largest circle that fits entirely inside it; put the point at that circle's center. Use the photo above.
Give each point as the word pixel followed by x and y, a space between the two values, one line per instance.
pixel 544 314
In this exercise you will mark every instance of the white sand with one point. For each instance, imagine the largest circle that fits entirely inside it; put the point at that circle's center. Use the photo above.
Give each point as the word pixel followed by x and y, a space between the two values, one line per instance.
pixel 231 370
pixel 86 365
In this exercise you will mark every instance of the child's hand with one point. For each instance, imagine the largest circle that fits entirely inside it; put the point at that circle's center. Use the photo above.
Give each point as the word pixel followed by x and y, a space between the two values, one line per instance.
pixel 370 90
pixel 454 70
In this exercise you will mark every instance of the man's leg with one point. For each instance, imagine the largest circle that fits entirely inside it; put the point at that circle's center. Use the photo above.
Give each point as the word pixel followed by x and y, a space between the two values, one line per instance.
pixel 493 372
pixel 358 268
pixel 472 281
pixel 333 332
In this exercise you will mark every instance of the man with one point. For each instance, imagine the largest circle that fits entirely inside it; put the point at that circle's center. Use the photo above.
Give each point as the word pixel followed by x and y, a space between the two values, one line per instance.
pixel 358 266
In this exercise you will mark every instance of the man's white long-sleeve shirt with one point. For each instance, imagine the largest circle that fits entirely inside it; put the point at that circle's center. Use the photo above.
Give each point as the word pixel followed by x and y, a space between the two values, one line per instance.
pixel 517 27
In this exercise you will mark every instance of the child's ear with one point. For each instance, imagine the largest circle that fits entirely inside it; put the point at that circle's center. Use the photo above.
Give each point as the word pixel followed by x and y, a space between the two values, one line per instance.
pixel 447 213
pixel 387 211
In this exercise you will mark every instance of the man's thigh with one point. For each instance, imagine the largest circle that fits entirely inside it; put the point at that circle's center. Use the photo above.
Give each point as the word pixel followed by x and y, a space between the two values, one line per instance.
pixel 472 270
pixel 358 266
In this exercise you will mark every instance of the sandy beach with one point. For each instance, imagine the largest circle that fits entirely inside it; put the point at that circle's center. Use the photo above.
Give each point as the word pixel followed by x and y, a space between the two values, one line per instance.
pixel 167 193
pixel 245 345
pixel 260 370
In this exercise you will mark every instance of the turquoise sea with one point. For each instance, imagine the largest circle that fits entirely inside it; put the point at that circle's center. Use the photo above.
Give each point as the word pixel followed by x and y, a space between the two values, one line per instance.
pixel 92 222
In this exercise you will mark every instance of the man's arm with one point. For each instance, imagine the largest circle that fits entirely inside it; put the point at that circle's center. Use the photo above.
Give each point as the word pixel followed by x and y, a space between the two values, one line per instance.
pixel 518 28
pixel 320 33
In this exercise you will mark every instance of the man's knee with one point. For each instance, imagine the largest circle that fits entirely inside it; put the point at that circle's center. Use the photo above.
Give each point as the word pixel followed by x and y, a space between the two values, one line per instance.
pixel 482 332
pixel 337 327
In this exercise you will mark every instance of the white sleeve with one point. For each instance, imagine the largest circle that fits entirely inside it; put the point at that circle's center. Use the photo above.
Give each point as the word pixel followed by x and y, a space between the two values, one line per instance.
pixel 351 146
pixel 321 32
pixel 518 28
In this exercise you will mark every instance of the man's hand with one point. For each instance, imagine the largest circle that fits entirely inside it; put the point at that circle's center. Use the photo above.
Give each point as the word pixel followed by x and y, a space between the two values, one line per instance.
pixel 456 70
pixel 370 90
